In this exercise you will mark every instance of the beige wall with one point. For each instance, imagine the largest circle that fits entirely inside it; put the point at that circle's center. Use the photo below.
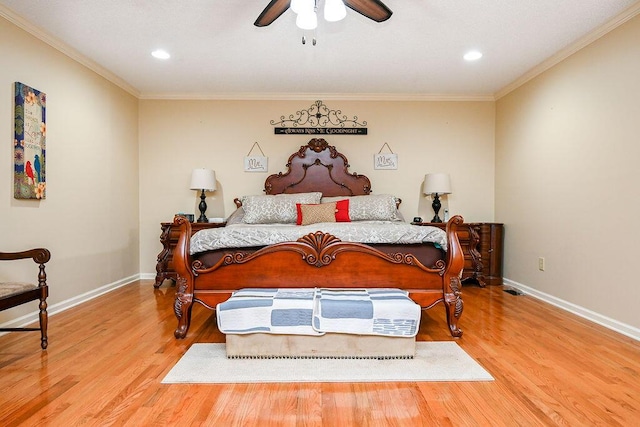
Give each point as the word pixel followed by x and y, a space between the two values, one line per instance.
pixel 89 219
pixel 177 136
pixel 567 162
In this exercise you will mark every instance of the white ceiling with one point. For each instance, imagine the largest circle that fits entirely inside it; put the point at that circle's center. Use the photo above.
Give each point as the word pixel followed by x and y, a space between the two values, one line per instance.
pixel 218 52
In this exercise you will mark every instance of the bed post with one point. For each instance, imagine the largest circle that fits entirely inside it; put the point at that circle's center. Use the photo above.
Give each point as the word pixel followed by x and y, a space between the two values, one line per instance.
pixel 451 279
pixel 184 282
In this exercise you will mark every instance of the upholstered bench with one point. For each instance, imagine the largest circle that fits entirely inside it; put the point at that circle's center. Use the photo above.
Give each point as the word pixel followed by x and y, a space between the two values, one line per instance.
pixel 347 323
pixel 13 294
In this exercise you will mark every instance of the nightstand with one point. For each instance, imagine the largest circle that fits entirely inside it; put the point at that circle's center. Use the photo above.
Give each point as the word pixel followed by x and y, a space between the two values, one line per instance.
pixel 481 244
pixel 169 239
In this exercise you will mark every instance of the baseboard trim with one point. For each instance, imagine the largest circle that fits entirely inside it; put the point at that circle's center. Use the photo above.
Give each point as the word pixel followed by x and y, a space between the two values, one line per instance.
pixel 53 309
pixel 607 322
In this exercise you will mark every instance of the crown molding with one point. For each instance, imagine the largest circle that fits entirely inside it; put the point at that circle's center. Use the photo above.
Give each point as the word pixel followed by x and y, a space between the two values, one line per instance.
pixel 581 43
pixel 324 96
pixel 62 47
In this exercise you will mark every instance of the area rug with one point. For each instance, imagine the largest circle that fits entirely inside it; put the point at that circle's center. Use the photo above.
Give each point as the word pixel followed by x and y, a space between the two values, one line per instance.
pixel 434 361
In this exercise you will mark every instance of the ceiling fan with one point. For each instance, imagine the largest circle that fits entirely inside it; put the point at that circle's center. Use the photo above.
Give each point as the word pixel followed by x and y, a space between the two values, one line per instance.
pixel 372 9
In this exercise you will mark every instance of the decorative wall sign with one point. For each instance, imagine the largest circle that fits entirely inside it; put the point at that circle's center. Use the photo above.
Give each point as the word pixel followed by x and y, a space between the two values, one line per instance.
pixel 320 131
pixel 319 120
pixel 30 129
pixel 387 161
pixel 256 163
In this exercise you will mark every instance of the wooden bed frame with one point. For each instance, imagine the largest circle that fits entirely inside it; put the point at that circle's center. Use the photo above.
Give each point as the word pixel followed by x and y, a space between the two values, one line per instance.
pixel 317 259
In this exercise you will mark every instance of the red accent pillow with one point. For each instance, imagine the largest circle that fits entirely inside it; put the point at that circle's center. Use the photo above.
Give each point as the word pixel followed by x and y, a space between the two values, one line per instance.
pixel 299 214
pixel 342 211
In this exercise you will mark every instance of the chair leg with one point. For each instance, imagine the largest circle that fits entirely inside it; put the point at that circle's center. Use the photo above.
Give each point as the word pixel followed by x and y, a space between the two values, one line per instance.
pixel 44 320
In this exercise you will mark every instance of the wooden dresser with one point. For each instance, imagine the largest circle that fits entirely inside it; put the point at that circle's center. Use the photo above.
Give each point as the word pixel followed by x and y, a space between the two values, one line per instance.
pixel 491 250
pixel 169 239
pixel 482 244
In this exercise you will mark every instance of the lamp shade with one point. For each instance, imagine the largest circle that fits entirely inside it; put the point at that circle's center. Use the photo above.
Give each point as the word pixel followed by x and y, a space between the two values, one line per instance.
pixel 203 179
pixel 437 183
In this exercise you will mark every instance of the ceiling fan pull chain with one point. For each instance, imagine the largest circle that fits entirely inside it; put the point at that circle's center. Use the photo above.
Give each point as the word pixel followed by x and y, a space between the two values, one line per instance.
pixel 314 35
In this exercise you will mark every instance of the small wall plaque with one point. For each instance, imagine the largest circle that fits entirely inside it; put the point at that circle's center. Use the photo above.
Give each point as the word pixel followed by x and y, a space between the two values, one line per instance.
pixel 387 161
pixel 256 163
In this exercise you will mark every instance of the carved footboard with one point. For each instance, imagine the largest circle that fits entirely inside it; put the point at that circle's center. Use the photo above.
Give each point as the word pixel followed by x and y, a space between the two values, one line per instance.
pixel 317 260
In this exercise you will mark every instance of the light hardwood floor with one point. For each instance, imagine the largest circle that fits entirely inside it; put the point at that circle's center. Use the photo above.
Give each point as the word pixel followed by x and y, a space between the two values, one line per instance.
pixel 106 359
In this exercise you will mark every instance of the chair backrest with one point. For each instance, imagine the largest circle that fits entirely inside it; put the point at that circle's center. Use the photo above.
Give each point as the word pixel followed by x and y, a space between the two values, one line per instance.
pixel 13 294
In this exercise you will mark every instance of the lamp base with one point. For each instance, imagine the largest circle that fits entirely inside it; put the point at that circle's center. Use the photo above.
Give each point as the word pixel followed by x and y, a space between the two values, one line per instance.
pixel 202 207
pixel 436 208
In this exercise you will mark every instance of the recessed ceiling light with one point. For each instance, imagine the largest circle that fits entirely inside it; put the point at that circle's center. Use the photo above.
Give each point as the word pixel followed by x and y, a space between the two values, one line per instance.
pixel 160 54
pixel 473 55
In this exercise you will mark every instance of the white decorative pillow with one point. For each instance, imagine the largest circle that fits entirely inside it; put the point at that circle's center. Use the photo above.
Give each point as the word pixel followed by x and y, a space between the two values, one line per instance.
pixel 277 209
pixel 236 217
pixel 373 207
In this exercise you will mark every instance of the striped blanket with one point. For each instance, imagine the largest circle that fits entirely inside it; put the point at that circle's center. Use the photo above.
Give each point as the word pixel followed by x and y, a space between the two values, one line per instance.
pixel 306 311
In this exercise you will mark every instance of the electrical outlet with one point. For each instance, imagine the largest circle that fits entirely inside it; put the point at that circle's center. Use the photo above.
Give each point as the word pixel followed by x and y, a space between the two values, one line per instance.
pixel 541 264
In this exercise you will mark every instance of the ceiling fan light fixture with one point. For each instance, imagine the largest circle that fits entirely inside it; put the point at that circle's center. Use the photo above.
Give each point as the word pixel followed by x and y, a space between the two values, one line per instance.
pixel 334 10
pixel 307 21
pixel 302 6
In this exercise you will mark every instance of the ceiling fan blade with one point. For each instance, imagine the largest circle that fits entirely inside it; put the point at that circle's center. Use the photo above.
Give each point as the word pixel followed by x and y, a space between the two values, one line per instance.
pixel 372 9
pixel 274 9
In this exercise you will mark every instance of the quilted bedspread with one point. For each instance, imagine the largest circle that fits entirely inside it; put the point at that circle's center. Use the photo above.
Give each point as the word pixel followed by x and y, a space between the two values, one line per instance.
pixel 306 311
pixel 372 232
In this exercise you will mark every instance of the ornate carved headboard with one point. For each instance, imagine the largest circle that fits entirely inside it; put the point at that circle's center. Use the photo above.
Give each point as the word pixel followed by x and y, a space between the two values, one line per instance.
pixel 318 166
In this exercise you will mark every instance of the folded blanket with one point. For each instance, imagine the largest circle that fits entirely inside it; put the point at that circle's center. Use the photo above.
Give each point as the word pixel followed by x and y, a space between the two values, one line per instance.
pixel 366 312
pixel 275 311
pixel 305 311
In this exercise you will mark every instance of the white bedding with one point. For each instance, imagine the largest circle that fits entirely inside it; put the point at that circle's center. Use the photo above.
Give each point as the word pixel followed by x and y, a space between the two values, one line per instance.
pixel 371 232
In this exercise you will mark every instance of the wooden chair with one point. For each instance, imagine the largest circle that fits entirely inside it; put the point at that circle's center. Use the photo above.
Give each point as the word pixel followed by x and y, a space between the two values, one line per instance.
pixel 13 294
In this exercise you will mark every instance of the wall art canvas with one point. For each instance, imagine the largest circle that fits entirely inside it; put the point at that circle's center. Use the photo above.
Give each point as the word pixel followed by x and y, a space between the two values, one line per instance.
pixel 29 148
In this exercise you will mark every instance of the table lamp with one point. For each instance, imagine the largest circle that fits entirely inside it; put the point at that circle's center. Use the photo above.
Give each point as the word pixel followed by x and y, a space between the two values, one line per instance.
pixel 436 184
pixel 203 180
